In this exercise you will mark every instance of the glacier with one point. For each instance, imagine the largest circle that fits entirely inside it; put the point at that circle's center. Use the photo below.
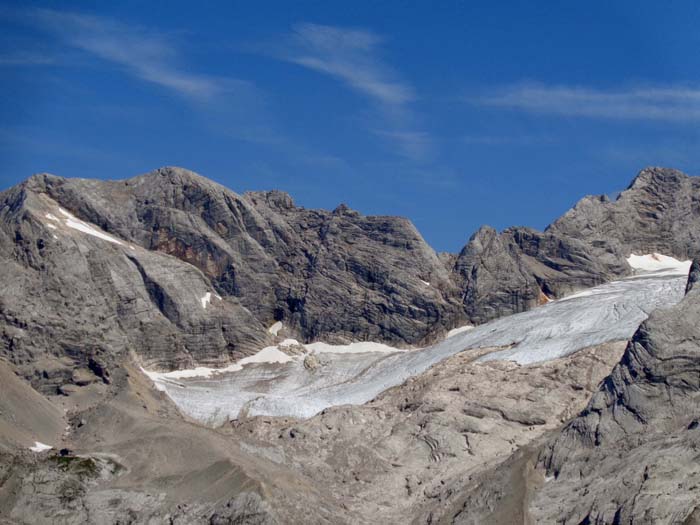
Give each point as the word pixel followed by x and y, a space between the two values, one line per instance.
pixel 287 387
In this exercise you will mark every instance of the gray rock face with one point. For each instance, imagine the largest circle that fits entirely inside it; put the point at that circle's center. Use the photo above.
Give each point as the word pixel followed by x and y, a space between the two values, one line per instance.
pixel 171 270
pixel 521 268
pixel 139 265
pixel 631 455
pixel 279 261
pixel 401 457
pixel 75 298
pixel 659 212
pixel 693 276
pixel 513 271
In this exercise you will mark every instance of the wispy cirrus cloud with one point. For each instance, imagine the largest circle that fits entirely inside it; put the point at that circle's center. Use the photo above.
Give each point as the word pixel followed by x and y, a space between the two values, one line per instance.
pixel 145 54
pixel 661 103
pixel 353 57
pixel 350 56
pixel 412 144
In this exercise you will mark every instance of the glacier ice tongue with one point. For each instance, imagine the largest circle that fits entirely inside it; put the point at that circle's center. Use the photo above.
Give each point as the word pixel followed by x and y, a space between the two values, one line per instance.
pixel 610 312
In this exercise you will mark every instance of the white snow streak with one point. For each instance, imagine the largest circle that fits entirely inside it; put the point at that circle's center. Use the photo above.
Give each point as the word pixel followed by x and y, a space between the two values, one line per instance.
pixel 205 300
pixel 77 224
pixel 52 226
pixel 40 447
pixel 362 347
pixel 654 262
pixel 269 354
pixel 272 354
pixel 275 328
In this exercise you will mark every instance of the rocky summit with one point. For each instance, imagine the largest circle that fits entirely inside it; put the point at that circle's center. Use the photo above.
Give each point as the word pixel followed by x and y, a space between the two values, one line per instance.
pixel 172 351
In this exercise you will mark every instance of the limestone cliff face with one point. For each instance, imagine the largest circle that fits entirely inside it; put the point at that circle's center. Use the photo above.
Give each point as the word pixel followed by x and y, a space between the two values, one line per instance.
pixel 171 270
pixel 631 455
pixel 505 273
pixel 183 271
pixel 72 299
pixel 322 273
pixel 520 268
pixel 658 212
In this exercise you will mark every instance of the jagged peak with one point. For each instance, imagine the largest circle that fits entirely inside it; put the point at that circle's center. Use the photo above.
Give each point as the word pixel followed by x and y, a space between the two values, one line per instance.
pixel 656 174
pixel 275 198
pixel 40 181
pixel 479 238
pixel 175 175
pixel 484 231
pixel 344 209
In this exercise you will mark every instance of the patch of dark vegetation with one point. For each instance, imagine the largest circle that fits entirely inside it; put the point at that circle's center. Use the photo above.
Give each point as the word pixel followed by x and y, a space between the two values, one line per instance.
pixel 76 465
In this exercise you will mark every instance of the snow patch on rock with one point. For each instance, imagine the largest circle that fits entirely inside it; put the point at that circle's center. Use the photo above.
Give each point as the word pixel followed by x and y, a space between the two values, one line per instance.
pixel 40 447
pixel 275 328
pixel 75 223
pixel 654 262
pixel 353 348
pixel 205 300
pixel 270 354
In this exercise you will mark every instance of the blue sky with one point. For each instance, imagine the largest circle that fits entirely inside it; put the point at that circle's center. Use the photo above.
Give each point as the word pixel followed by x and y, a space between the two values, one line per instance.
pixel 453 114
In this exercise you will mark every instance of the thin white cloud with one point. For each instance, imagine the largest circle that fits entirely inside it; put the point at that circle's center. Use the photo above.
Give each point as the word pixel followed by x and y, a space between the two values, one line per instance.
pixel 147 55
pixel 353 57
pixel 414 145
pixel 350 56
pixel 644 103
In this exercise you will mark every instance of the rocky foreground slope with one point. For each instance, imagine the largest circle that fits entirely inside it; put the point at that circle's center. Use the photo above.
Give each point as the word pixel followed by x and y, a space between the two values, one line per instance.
pixel 169 270
pixel 630 456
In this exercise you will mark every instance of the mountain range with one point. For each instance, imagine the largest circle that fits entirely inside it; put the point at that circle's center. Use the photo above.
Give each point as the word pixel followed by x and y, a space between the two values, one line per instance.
pixel 170 272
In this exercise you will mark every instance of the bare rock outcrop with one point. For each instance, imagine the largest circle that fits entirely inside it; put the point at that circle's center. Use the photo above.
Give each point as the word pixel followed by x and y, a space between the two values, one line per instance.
pixel 513 271
pixel 75 297
pixel 184 272
pixel 631 455
pixel 658 212
pixel 280 261
pixel 520 268
pixel 171 270
pixel 402 457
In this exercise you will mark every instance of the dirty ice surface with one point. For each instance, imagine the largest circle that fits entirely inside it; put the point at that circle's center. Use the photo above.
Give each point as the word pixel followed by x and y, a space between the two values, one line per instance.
pixel 610 312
